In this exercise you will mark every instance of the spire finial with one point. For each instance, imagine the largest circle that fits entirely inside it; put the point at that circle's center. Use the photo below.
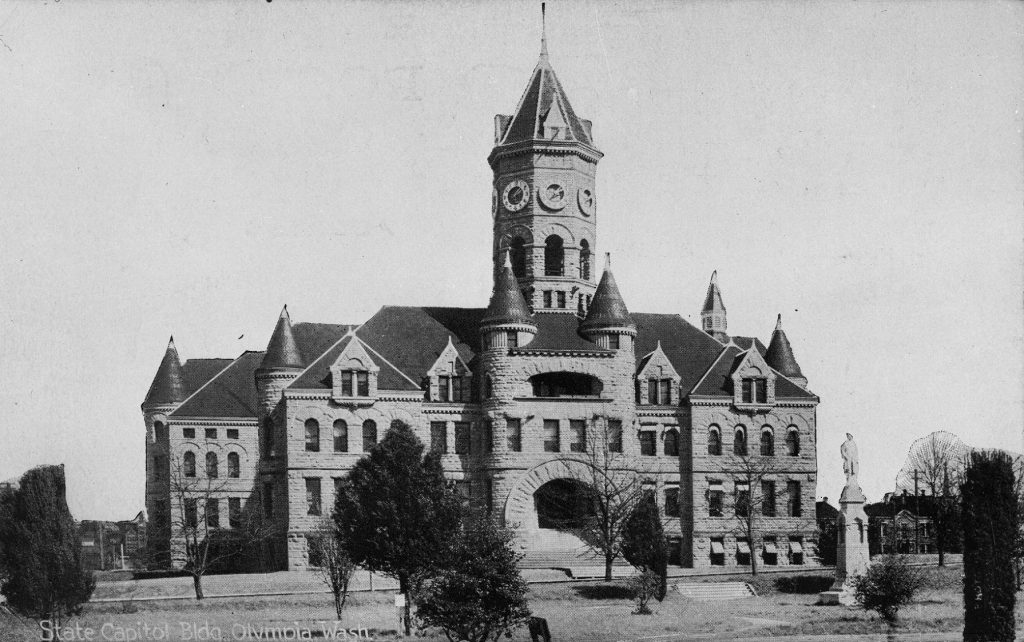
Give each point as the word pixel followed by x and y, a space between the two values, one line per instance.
pixel 607 261
pixel 714 277
pixel 778 323
pixel 284 312
pixel 543 33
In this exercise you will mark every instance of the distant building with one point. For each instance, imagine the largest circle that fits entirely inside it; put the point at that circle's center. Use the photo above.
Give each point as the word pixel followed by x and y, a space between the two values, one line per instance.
pixel 110 546
pixel 905 524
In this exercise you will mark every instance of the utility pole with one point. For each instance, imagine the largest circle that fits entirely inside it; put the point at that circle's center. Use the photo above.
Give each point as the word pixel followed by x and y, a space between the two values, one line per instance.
pixel 917 513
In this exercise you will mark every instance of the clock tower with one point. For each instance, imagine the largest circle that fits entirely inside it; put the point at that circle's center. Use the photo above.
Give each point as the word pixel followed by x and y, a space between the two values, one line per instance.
pixel 544 202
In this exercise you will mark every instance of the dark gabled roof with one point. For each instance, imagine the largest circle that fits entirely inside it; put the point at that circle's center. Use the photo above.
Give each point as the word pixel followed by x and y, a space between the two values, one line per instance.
pixel 718 382
pixel 318 375
pixel 507 303
pixel 559 333
pixel 746 342
pixel 315 338
pixel 282 349
pixel 690 350
pixel 607 309
pixel 169 383
pixel 780 353
pixel 196 372
pixel 231 394
pixel 412 338
pixel 543 99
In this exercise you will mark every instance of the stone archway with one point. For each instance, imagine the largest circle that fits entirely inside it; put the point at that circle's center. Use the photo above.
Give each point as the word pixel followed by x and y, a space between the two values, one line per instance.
pixel 520 513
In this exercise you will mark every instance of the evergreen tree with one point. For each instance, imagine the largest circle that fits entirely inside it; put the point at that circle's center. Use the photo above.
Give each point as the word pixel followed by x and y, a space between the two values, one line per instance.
pixel 395 512
pixel 42 553
pixel 644 543
pixel 990 526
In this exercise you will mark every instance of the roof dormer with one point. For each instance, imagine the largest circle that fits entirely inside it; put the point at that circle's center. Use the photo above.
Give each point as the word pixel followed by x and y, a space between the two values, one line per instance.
pixel 354 374
pixel 753 382
pixel 450 378
pixel 657 380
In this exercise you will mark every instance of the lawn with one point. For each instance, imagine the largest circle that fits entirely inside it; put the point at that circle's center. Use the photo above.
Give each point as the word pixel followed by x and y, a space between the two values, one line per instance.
pixel 785 606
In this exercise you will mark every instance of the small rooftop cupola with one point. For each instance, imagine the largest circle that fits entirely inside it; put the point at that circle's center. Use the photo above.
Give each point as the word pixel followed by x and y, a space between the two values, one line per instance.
pixel 168 387
pixel 608 322
pixel 282 350
pixel 712 316
pixel 780 356
pixel 508 322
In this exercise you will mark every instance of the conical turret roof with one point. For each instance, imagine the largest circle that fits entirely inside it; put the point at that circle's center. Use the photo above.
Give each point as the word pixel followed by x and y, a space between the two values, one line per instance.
pixel 780 353
pixel 607 309
pixel 168 385
pixel 282 350
pixel 507 303
pixel 713 300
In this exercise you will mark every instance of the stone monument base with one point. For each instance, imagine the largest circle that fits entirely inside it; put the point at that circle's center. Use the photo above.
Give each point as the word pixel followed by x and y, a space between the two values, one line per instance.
pixel 852 558
pixel 841 595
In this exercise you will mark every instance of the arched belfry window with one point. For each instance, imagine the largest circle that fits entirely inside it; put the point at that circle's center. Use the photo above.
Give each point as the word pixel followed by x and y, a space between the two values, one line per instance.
pixel 517 255
pixel 739 444
pixel 793 442
pixel 767 442
pixel 714 440
pixel 211 465
pixel 554 256
pixel 233 465
pixel 189 464
pixel 584 260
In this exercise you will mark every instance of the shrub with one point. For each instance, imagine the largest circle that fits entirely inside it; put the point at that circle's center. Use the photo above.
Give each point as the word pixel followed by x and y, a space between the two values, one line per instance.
pixel 645 585
pixel 889 584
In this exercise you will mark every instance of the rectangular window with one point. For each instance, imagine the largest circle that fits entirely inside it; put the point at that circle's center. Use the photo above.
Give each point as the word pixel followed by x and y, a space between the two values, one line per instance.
pixel 312 436
pixel 363 384
pixel 742 499
pixel 648 443
pixel 560 299
pixel 462 437
pixel 578 435
pixel 675 551
pixel 718 551
pixel 761 390
pixel 268 499
pixel 346 383
pixel 160 431
pixel 768 498
pixel 793 498
pixel 748 395
pixel 672 501
pixel 212 513
pixel 652 392
pixel 312 495
pixel 770 554
pixel 234 512
pixel 339 486
pixel 462 488
pixel 211 433
pixel 614 436
pixel 232 433
pixel 160 519
pixel 460 389
pixel 547 298
pixel 315 546
pixel 715 499
pixel 796 550
pixel 188 433
pixel 514 433
pixel 551 435
pixel 191 514
pixel 444 388
pixel 665 392
pixel 613 341
pixel 438 437
pixel 512 339
pixel 743 552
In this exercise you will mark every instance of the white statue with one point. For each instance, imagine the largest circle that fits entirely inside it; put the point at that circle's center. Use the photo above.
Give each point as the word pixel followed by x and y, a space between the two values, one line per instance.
pixel 849 452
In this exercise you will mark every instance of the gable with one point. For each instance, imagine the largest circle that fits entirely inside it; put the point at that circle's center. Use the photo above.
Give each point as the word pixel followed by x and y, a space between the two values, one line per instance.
pixel 449 362
pixel 657 366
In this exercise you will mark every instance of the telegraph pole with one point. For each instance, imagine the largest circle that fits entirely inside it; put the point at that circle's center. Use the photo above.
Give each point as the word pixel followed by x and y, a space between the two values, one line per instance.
pixel 917 513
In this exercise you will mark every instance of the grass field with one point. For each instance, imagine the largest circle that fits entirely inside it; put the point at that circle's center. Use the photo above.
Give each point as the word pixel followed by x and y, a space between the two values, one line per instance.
pixel 785 606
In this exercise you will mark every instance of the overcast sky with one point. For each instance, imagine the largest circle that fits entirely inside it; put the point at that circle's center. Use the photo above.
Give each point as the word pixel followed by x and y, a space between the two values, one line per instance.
pixel 189 168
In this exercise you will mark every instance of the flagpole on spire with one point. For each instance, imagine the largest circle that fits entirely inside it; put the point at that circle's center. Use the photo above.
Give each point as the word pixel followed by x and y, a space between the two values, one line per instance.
pixel 543 33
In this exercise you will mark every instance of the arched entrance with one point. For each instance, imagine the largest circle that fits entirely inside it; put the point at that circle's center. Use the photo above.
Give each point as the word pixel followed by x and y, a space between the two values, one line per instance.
pixel 563 504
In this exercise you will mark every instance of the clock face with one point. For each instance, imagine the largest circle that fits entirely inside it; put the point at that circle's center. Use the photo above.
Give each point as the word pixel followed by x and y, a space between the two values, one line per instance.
pixel 516 195
pixel 552 196
pixel 585 197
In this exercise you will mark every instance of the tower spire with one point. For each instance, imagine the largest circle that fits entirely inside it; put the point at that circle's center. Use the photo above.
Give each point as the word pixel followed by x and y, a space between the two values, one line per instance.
pixel 168 385
pixel 712 315
pixel 543 33
pixel 780 355
pixel 282 350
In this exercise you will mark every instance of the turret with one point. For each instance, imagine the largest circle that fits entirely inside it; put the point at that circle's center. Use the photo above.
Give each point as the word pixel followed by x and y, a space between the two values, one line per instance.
pixel 780 356
pixel 281 364
pixel 168 387
pixel 608 323
pixel 508 321
pixel 712 316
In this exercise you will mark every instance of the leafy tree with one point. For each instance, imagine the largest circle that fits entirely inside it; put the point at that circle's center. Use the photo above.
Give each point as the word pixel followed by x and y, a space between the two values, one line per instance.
pixel 479 594
pixel 645 585
pixel 42 553
pixel 889 584
pixel 644 543
pixel 990 527
pixel 335 565
pixel 395 513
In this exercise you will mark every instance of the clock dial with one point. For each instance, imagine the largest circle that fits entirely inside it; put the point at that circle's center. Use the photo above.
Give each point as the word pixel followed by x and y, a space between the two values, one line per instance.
pixel 552 196
pixel 585 197
pixel 516 195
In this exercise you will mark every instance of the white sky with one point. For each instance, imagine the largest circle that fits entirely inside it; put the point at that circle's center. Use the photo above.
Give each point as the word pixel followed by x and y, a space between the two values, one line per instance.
pixel 188 168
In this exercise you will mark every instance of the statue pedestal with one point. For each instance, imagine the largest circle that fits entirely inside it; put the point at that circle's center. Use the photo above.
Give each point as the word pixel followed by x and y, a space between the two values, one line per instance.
pixel 852 558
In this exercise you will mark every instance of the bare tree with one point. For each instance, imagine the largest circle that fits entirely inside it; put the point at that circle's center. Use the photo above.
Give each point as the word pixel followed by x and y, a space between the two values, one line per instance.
pixel 196 532
pixel 936 463
pixel 335 565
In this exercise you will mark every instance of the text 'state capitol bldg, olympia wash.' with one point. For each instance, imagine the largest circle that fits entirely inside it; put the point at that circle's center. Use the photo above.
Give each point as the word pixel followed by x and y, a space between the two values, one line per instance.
pixel 517 394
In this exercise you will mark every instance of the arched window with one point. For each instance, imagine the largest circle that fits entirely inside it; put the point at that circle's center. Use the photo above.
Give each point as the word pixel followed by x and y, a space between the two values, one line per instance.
pixel 517 255
pixel 189 464
pixel 211 465
pixel 488 387
pixel 714 440
pixel 672 443
pixel 793 441
pixel 739 443
pixel 340 436
pixel 312 436
pixel 160 431
pixel 767 442
pixel 584 260
pixel 554 256
pixel 268 437
pixel 233 468
pixel 369 435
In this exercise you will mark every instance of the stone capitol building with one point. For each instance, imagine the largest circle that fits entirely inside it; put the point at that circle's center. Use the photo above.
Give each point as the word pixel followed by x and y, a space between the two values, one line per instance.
pixel 517 394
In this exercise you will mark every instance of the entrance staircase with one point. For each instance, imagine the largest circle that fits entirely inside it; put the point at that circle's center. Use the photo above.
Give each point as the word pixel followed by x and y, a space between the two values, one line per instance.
pixel 549 548
pixel 707 591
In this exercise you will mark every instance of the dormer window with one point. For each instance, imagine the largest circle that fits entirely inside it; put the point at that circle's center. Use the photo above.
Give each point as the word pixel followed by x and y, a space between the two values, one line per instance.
pixel 355 383
pixel 755 390
pixel 453 388
pixel 354 373
pixel 659 392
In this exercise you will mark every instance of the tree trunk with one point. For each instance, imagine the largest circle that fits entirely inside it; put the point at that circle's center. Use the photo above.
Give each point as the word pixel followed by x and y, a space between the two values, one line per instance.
pixel 197 584
pixel 337 604
pixel 608 559
pixel 403 588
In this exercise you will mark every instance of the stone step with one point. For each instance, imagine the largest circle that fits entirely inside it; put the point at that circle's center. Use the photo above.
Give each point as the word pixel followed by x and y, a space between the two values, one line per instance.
pixel 715 590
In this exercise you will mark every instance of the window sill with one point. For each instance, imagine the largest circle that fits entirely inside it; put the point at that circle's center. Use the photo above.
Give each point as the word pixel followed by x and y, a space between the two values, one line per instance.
pixel 567 398
pixel 754 407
